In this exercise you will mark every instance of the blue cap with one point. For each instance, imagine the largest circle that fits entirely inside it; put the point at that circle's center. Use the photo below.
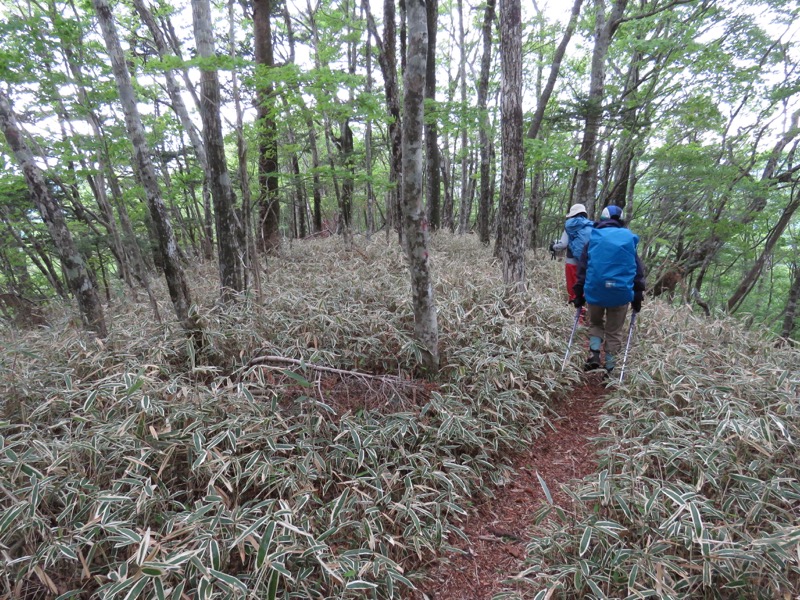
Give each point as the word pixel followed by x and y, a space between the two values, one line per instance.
pixel 611 212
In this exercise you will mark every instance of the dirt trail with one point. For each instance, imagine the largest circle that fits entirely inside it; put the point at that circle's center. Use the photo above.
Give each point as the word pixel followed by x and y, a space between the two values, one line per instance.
pixel 498 529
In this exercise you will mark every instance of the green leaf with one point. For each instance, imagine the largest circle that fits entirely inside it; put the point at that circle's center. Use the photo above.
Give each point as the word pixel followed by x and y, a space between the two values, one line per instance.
pixel 544 488
pixel 359 584
pixel 137 589
pixel 586 538
pixel 298 378
pixel 272 587
pixel 229 580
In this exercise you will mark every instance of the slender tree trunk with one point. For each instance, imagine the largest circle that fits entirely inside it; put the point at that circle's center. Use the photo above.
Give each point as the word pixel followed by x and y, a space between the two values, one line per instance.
pixel 512 238
pixel 268 145
pixel 251 262
pixel 463 212
pixel 36 255
pixel 387 58
pixel 744 288
pixel 230 266
pixel 370 214
pixel 484 129
pixel 317 191
pixel 790 314
pixel 179 106
pixel 415 223
pixel 447 207
pixel 143 168
pixel 346 151
pixel 605 26
pixel 77 273
pixel 432 169
pixel 558 57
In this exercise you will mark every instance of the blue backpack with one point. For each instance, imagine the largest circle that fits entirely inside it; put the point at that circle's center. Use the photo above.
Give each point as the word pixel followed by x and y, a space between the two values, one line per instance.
pixel 611 267
pixel 578 229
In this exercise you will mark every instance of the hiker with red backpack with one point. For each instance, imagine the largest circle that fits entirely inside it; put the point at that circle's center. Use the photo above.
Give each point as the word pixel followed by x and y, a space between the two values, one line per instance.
pixel 610 277
pixel 577 230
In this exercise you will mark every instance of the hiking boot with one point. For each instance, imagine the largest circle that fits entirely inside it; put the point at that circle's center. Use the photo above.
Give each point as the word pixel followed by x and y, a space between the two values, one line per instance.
pixel 593 361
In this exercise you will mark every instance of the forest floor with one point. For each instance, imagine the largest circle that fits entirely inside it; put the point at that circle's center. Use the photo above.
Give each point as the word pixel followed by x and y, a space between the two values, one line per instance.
pixel 499 527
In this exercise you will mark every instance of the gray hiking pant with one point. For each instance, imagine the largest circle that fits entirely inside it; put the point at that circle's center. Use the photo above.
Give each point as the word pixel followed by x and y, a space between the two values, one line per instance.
pixel 607 324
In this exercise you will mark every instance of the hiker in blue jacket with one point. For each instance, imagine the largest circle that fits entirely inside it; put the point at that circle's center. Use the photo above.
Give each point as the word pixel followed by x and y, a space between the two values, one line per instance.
pixel 577 230
pixel 610 276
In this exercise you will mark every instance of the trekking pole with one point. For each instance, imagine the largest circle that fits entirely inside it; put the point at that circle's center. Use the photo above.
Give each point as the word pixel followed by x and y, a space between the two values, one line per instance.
pixel 628 345
pixel 571 337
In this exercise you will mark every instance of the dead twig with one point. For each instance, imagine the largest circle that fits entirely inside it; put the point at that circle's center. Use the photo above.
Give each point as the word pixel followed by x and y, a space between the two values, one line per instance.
pixel 387 379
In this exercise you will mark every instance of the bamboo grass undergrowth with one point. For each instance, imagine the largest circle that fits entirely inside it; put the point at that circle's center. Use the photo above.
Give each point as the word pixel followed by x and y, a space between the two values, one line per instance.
pixel 698 489
pixel 143 466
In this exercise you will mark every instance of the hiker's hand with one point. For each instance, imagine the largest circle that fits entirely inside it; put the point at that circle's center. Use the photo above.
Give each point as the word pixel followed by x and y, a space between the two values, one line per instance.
pixel 579 301
pixel 552 244
pixel 636 304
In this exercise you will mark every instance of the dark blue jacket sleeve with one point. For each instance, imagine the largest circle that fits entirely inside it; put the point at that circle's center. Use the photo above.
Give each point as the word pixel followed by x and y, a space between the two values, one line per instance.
pixel 583 261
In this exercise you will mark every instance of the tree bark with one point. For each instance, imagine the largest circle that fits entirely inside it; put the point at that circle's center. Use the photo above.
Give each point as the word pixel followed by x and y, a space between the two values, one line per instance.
pixel 268 144
pixel 179 107
pixel 414 221
pixel 749 280
pixel 790 314
pixel 144 171
pixel 251 255
pixel 370 213
pixel 230 265
pixel 432 160
pixel 387 58
pixel 512 239
pixel 484 129
pixel 463 211
pixel 78 277
pixel 558 57
pixel 605 26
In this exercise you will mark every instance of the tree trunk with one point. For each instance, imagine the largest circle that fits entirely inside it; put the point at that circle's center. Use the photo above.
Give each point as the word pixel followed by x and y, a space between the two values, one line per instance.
pixel 790 314
pixel 317 191
pixel 749 280
pixel 230 270
pixel 512 237
pixel 484 129
pixel 37 255
pixel 77 273
pixel 248 243
pixel 143 168
pixel 414 221
pixel 268 144
pixel 179 107
pixel 605 26
pixel 345 144
pixel 432 160
pixel 463 211
pixel 558 57
pixel 370 214
pixel 387 58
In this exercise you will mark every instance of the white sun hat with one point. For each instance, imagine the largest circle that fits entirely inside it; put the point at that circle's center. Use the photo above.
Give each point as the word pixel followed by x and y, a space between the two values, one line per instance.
pixel 576 209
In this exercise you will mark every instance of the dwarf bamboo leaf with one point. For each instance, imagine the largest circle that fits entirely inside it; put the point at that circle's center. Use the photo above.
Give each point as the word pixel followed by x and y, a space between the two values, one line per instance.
pixel 586 539
pixel 229 580
pixel 545 488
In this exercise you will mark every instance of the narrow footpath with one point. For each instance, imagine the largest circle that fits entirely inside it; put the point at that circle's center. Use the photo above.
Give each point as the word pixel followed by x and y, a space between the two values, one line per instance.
pixel 499 528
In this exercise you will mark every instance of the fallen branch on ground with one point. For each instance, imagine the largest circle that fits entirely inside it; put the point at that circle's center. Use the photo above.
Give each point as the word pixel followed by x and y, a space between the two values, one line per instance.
pixel 388 379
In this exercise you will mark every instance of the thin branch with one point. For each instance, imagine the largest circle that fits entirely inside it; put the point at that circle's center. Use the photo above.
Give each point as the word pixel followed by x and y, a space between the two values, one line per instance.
pixel 390 379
